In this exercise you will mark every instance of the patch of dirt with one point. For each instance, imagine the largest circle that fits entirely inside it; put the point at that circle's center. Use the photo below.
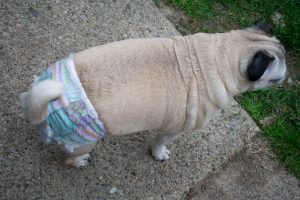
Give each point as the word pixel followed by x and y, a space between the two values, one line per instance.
pixel 267 121
pixel 177 17
pixel 293 63
pixel 187 25
pixel 252 174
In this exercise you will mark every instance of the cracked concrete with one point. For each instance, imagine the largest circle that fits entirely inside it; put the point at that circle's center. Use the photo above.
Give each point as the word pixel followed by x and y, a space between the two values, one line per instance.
pixel 36 33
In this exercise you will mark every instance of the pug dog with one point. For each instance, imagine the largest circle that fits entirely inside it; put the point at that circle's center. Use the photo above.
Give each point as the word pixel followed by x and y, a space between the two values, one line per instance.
pixel 171 85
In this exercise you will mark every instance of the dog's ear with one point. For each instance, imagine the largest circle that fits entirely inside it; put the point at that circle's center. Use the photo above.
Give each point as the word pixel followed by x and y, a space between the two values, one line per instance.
pixel 259 65
pixel 266 28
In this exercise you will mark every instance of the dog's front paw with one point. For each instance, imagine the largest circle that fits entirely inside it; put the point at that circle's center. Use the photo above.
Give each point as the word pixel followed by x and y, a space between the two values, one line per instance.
pixel 160 153
pixel 79 161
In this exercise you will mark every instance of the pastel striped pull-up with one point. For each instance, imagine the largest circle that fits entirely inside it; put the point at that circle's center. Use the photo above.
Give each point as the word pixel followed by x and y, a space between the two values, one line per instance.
pixel 72 120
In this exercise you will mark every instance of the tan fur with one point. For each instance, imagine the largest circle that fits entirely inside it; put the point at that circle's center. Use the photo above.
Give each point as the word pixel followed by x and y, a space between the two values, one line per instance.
pixel 168 84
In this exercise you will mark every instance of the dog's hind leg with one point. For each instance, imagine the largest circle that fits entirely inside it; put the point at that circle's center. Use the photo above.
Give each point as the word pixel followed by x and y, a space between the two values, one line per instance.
pixel 79 157
pixel 159 150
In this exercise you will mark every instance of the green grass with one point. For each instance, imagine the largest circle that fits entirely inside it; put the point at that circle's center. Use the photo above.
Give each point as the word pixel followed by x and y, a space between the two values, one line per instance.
pixel 246 13
pixel 198 9
pixel 286 29
pixel 281 104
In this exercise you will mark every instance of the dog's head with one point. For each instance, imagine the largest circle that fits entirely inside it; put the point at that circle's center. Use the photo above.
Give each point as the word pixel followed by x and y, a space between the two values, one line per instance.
pixel 263 63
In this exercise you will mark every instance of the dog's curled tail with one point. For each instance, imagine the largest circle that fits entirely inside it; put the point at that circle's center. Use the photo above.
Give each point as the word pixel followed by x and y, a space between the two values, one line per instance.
pixel 35 101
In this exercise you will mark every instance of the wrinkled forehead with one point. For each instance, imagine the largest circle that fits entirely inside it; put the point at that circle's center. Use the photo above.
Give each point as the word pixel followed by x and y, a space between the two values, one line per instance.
pixel 278 50
pixel 268 43
pixel 282 49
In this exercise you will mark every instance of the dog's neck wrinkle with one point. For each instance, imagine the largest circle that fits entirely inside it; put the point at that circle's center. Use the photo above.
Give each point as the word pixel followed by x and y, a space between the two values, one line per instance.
pixel 182 54
pixel 205 66
pixel 214 39
pixel 195 117
pixel 195 84
pixel 196 65
pixel 193 95
pixel 226 60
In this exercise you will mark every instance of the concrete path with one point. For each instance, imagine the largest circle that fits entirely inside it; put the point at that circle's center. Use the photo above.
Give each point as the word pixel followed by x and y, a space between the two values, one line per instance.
pixel 36 33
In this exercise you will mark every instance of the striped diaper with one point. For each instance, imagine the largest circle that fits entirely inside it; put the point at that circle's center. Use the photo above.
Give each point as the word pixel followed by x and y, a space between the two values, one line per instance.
pixel 72 120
